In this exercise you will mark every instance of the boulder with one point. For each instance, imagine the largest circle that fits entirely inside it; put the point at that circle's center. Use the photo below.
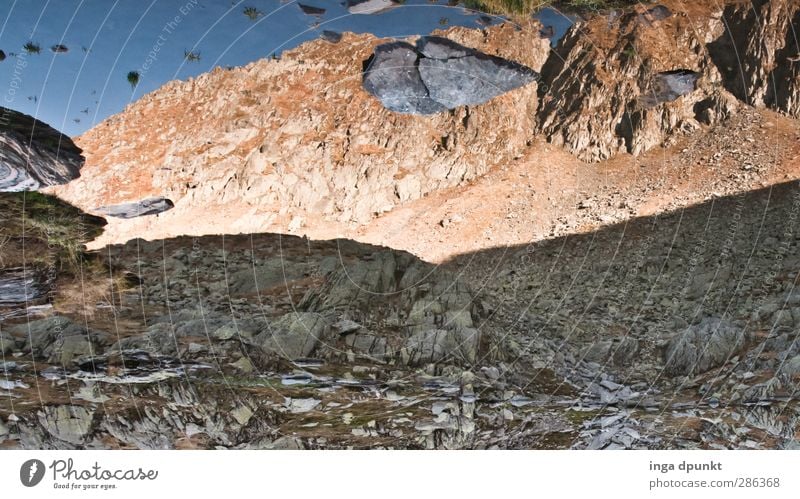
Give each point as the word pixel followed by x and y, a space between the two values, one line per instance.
pixel 293 335
pixel 439 74
pixel 149 206
pixel 371 6
pixel 703 346
pixel 58 340
pixel 33 154
pixel 393 77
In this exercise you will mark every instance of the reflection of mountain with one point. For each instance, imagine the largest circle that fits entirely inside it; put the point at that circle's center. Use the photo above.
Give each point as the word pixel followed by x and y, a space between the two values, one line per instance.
pixel 646 330
pixel 641 302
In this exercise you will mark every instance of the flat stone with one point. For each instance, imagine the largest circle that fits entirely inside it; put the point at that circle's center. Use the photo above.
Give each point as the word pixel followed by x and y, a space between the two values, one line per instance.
pixel 371 6
pixel 145 207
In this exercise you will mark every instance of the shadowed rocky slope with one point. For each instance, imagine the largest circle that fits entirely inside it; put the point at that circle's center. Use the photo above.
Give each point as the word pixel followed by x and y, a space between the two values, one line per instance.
pixel 674 331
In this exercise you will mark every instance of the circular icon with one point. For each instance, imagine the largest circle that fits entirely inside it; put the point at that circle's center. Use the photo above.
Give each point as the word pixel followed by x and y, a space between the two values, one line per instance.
pixel 31 472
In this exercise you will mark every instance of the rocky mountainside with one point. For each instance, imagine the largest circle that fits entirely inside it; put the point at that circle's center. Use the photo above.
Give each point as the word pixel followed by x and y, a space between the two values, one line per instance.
pixel 298 145
pixel 277 141
pixel 33 154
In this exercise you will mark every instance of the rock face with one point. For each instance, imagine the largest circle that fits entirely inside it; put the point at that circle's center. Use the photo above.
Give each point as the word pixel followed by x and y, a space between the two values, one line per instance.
pixel 758 54
pixel 439 74
pixel 150 206
pixel 626 83
pixel 33 154
pixel 281 144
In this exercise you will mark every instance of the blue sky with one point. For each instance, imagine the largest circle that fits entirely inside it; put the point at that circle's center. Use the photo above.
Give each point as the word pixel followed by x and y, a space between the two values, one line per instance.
pixel 108 38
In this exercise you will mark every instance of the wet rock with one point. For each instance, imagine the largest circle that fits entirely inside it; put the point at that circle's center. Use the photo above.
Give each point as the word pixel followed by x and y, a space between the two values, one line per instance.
pixel 33 154
pixel 670 85
pixel 471 80
pixel 703 346
pixel 145 207
pixel 439 74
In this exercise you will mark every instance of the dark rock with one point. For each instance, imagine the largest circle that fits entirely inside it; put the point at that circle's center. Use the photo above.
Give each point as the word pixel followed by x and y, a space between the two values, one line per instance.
pixel 58 340
pixel 437 75
pixel 33 154
pixel 471 80
pixel 311 10
pixel 393 77
pixel 18 286
pixel 331 36
pixel 59 49
pixel 670 85
pixel 658 13
pixel 150 206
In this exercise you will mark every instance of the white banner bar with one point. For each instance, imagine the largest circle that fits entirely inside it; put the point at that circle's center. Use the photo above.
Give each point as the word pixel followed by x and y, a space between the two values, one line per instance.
pixel 403 474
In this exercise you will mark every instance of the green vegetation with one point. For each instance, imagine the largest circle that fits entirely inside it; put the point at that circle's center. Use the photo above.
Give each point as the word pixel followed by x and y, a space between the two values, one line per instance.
pixel 32 48
pixel 191 55
pixel 252 13
pixel 54 232
pixel 133 78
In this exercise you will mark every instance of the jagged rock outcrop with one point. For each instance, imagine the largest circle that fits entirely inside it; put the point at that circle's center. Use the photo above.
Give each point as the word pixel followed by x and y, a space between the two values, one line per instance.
pixel 627 82
pixel 759 53
pixel 33 154
pixel 149 206
pixel 439 74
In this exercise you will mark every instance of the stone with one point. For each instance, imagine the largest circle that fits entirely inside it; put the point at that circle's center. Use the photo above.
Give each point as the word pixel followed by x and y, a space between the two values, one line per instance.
pixel 69 423
pixel 20 286
pixel 297 406
pixel 703 346
pixel 145 207
pixel 331 36
pixel 471 80
pixel 791 367
pixel 33 154
pixel 58 339
pixel 371 6
pixel 311 10
pixel 293 335
pixel 393 77
pixel 438 345
pixel 439 74
pixel 617 351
